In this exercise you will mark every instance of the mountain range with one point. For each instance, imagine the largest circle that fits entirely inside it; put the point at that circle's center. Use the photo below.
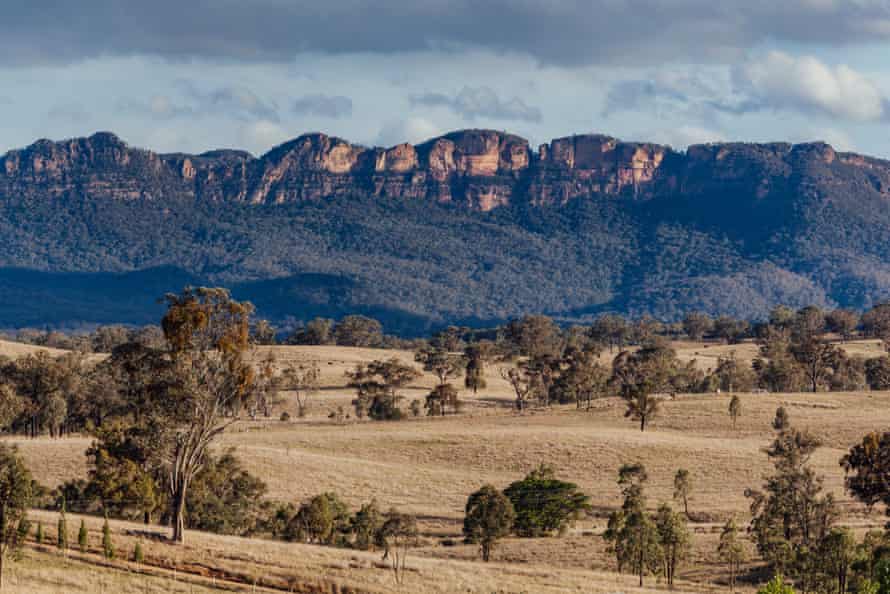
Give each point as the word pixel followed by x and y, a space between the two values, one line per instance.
pixel 473 227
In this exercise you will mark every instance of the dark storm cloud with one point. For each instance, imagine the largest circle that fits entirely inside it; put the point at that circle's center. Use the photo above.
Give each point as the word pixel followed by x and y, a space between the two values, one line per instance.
pixel 480 102
pixel 568 32
pixel 326 106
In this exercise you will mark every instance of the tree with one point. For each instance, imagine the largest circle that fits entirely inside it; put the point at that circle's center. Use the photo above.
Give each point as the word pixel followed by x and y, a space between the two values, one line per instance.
pixel 358 331
pixel 107 543
pixel 836 555
pixel 440 398
pixel 523 385
pixel 264 332
pixel 781 316
pixel 640 543
pixel 303 381
pixel 682 488
pixel 843 322
pixel 790 517
pixel 15 498
pixel 876 322
pixel 731 550
pixel 697 324
pixel 318 331
pixel 441 363
pixel 397 535
pixel 62 530
pixel 877 373
pixel 377 384
pixel 631 480
pixel 781 420
pixel 476 355
pixel 818 359
pixel 224 498
pixel 365 525
pixel 489 517
pixel 735 409
pixel 205 381
pixel 544 504
pixel 582 379
pixel 867 468
pixel 730 329
pixel 610 329
pixel 324 519
pixel 673 540
pixel 733 375
pixel 535 336
pixel 642 374
pixel 11 406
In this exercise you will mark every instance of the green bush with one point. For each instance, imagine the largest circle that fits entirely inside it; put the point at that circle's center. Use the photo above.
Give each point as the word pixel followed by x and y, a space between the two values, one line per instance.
pixel 776 585
pixel 544 504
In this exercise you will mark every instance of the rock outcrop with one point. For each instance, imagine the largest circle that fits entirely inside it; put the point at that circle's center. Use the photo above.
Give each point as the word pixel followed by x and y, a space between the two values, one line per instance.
pixel 476 169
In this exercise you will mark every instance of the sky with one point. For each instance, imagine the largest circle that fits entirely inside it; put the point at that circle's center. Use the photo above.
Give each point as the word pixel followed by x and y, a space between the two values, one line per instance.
pixel 204 74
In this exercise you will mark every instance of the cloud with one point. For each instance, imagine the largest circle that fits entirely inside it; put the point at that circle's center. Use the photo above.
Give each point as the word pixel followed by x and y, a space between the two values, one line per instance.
pixel 774 81
pixel 781 81
pixel 413 130
pixel 261 135
pixel 161 107
pixel 326 106
pixel 566 32
pixel 480 102
pixel 234 102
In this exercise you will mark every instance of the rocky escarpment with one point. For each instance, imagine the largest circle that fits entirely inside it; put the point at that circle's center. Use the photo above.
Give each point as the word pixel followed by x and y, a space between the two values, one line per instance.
pixel 477 169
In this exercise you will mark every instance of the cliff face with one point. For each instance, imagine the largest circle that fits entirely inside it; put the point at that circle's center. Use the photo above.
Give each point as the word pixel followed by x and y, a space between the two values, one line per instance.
pixel 478 169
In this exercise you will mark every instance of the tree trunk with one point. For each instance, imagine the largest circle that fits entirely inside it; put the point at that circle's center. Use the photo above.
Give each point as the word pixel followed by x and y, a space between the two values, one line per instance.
pixel 178 519
pixel 1 571
pixel 642 423
pixel 486 551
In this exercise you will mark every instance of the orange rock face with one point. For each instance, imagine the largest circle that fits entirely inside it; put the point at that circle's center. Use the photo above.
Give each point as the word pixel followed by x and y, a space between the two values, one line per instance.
pixel 476 169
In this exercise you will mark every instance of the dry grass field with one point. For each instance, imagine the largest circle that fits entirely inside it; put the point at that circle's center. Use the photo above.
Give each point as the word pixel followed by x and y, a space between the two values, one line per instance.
pixel 428 466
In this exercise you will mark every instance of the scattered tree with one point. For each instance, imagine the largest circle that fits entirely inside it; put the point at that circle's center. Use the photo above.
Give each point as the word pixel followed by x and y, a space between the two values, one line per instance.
pixel 398 535
pixel 544 504
pixel 15 498
pixel 673 540
pixel 682 488
pixel 303 381
pixel 731 550
pixel 489 517
pixel 735 409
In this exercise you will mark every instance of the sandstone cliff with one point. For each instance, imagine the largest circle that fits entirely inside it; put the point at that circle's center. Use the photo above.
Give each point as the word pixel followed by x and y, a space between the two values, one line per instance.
pixel 477 169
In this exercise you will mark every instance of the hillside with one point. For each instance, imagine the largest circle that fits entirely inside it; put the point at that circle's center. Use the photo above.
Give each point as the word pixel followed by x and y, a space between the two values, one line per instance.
pixel 428 466
pixel 472 227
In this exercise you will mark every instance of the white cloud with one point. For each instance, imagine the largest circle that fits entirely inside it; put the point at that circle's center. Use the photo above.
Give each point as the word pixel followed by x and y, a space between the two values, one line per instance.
pixel 413 130
pixel 781 81
pixel 262 135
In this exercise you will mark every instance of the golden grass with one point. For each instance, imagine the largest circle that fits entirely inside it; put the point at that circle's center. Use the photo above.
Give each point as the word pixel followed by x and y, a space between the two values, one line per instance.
pixel 428 466
pixel 48 573
pixel 274 566
pixel 14 350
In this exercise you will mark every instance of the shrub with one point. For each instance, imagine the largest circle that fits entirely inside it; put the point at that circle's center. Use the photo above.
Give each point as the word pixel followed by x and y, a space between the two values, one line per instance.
pixel 776 585
pixel 107 544
pixel 544 504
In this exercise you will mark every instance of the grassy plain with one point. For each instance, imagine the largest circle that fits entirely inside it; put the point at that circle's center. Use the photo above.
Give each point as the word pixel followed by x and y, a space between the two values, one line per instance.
pixel 428 466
